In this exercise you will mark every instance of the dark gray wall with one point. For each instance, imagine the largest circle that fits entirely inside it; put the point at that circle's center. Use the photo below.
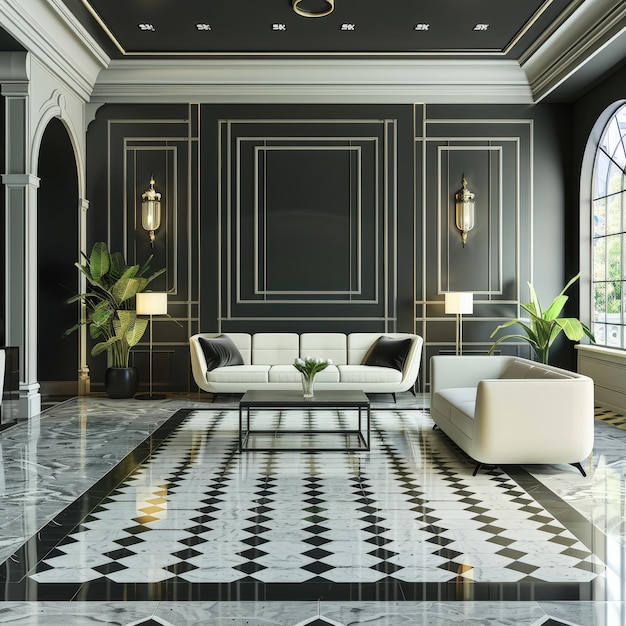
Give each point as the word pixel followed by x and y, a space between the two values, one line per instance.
pixel 333 217
pixel 2 223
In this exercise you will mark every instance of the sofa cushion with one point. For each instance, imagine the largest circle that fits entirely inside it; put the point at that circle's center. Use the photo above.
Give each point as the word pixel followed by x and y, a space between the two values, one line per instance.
pixel 388 352
pixel 459 404
pixel 275 348
pixel 333 346
pixel 457 396
pixel 289 374
pixel 368 374
pixel 220 352
pixel 239 374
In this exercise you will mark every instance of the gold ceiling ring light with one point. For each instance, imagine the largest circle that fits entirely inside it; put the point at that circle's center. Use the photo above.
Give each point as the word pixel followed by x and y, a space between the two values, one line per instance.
pixel 306 13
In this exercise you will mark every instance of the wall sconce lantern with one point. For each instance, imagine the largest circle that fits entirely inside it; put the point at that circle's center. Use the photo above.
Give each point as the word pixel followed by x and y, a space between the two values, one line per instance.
pixel 312 8
pixel 464 210
pixel 151 210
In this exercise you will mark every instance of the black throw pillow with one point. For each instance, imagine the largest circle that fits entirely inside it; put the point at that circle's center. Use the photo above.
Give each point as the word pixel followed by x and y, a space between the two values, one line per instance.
pixel 220 352
pixel 388 352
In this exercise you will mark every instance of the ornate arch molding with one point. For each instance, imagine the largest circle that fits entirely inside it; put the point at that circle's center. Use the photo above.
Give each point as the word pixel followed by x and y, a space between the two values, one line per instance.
pixel 55 107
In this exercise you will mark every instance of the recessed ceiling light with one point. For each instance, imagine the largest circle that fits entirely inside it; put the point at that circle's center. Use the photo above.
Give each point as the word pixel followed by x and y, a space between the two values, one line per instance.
pixel 422 26
pixel 348 27
pixel 147 27
pixel 481 27
pixel 203 26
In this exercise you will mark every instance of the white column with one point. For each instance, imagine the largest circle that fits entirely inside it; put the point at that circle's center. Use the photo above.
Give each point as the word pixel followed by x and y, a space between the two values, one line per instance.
pixel 84 381
pixel 21 240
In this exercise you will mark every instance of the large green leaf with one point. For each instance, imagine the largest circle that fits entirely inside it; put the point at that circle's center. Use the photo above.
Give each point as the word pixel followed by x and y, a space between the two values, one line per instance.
pixel 573 328
pixel 125 288
pixel 99 261
pixel 118 266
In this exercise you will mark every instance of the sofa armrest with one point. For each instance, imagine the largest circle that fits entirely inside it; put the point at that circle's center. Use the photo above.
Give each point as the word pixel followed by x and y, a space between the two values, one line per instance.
pixel 411 368
pixel 549 417
pixel 464 371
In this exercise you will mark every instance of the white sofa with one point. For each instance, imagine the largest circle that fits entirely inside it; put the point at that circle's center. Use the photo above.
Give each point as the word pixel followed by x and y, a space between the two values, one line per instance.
pixel 268 362
pixel 508 410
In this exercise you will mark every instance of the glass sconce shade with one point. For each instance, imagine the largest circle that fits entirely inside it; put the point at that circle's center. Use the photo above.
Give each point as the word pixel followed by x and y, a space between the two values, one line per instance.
pixel 464 210
pixel 151 210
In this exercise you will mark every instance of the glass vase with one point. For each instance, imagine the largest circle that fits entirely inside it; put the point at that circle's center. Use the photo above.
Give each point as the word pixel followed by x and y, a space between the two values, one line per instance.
pixel 307 385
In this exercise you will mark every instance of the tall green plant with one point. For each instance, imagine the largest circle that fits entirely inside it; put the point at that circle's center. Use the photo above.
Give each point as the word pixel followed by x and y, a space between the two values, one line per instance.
pixel 543 327
pixel 110 302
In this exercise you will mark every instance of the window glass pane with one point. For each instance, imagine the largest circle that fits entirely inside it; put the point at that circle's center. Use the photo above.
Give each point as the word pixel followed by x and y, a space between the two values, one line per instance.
pixel 619 156
pixel 613 335
pixel 611 136
pixel 599 259
pixel 615 181
pixel 599 310
pixel 614 302
pixel 600 175
pixel 599 332
pixel 614 214
pixel 614 257
pixel 599 217
pixel 613 142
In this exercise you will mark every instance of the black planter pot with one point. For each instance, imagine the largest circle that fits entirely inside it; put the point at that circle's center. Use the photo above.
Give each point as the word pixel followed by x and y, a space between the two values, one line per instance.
pixel 121 382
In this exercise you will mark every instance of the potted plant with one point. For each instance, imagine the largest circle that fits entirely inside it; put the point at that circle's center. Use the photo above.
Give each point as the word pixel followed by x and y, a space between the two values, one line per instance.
pixel 111 317
pixel 544 327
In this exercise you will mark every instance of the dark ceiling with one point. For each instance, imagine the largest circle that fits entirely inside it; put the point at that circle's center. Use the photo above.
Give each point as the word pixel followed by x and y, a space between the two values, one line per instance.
pixel 444 28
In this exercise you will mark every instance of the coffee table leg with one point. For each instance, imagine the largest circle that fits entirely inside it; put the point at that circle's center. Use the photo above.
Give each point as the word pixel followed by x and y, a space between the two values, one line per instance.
pixel 240 432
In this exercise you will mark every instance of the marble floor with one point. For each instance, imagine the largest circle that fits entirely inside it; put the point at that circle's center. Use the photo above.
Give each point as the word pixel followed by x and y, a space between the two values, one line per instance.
pixel 135 512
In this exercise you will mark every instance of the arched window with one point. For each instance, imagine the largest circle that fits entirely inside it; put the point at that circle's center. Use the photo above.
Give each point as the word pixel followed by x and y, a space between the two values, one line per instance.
pixel 609 235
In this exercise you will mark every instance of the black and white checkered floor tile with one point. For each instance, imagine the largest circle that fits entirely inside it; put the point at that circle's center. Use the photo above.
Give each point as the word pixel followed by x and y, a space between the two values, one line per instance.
pixel 409 512
pixel 610 416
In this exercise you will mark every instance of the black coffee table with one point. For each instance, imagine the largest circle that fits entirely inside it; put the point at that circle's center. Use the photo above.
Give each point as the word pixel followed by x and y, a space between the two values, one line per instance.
pixel 267 400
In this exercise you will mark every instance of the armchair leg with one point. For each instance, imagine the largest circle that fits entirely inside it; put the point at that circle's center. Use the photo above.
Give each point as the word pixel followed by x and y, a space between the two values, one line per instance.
pixel 579 467
pixel 394 397
pixel 478 466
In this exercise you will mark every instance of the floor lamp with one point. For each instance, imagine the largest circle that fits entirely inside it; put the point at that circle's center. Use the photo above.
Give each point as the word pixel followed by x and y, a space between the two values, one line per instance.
pixel 150 303
pixel 459 302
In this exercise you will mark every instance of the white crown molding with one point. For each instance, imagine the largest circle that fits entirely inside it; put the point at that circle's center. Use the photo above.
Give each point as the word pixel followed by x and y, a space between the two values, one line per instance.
pixel 313 81
pixel 49 31
pixel 592 30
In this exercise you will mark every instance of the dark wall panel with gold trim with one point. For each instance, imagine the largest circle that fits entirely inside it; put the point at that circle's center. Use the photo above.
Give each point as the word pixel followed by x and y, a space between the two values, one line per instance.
pixel 330 218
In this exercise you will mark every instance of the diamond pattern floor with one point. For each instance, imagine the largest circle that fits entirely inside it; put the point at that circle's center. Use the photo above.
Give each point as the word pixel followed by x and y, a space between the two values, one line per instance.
pixel 408 513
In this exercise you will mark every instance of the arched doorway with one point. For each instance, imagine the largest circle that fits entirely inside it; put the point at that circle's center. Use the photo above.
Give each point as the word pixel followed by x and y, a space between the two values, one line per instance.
pixel 57 251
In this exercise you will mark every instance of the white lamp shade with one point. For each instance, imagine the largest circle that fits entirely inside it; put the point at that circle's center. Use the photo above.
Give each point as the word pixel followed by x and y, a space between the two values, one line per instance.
pixel 460 302
pixel 151 303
